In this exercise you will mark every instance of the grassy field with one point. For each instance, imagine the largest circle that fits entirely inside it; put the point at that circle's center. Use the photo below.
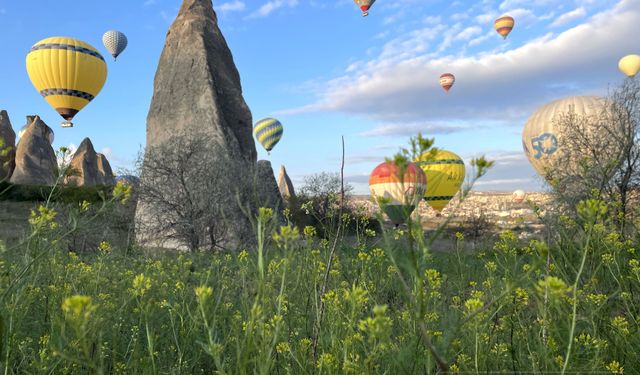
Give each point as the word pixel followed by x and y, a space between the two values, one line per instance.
pixel 383 303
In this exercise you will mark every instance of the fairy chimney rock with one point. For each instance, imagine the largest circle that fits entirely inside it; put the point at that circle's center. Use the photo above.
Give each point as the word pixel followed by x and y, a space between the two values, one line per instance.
pixel 267 187
pixel 7 147
pixel 105 171
pixel 197 90
pixel 197 85
pixel 284 184
pixel 88 168
pixel 36 162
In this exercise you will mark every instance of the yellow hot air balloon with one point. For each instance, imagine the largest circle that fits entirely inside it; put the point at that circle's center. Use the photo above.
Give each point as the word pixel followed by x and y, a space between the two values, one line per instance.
pixel 629 65
pixel 541 137
pixel 445 173
pixel 67 72
pixel 504 25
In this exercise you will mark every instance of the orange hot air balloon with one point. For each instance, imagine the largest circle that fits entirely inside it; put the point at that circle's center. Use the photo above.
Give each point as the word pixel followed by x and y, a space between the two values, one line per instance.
pixel 447 80
pixel 504 25
pixel 397 197
pixel 364 6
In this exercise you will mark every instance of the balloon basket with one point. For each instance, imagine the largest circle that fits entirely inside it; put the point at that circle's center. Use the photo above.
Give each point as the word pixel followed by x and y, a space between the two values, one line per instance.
pixel 365 13
pixel 67 124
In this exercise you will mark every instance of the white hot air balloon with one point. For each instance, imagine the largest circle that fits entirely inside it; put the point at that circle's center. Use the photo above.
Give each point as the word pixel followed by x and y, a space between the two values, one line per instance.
pixel 541 137
pixel 115 42
pixel 518 196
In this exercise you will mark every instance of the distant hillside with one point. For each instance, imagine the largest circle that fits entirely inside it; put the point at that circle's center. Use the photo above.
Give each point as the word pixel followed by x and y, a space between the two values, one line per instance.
pixel 497 208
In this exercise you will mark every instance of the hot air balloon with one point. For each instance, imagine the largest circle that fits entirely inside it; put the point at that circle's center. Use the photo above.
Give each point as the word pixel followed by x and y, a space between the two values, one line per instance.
pixel 518 196
pixel 445 172
pixel 504 25
pixel 364 5
pixel 629 65
pixel 541 138
pixel 268 132
pixel 67 72
pixel 22 130
pixel 447 80
pixel 115 42
pixel 397 197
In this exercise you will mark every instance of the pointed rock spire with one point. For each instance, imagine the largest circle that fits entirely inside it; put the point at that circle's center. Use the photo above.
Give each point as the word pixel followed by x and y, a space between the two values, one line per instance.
pixel 285 185
pixel 197 85
pixel 197 93
pixel 88 168
pixel 8 147
pixel 36 162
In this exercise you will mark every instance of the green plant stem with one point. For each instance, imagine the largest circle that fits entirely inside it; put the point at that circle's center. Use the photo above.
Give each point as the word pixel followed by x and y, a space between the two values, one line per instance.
pixel 575 301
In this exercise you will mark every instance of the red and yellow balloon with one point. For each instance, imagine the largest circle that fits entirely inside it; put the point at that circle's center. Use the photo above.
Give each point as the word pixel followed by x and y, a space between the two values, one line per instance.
pixel 396 196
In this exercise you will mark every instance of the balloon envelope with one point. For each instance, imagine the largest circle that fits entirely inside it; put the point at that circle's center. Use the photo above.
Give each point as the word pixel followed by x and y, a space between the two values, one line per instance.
pixel 115 42
pixel 445 172
pixel 504 25
pixel 268 132
pixel 542 137
pixel 67 72
pixel 629 65
pixel 364 6
pixel 397 197
pixel 447 80
pixel 518 196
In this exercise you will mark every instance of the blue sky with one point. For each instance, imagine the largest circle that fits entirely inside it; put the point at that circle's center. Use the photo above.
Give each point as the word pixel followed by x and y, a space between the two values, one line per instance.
pixel 325 71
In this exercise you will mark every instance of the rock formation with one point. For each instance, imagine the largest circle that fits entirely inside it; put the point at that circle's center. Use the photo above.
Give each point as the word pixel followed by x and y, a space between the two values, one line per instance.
pixel 36 162
pixel 266 187
pixel 197 91
pixel 104 168
pixel 8 149
pixel 88 167
pixel 284 184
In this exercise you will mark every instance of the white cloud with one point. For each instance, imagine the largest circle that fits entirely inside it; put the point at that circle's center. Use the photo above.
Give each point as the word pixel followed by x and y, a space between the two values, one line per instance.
pixel 232 6
pixel 165 16
pixel 107 151
pixel 401 85
pixel 404 129
pixel 482 39
pixel 272 5
pixel 486 18
pixel 150 2
pixel 468 33
pixel 508 4
pixel 511 171
pixel 569 17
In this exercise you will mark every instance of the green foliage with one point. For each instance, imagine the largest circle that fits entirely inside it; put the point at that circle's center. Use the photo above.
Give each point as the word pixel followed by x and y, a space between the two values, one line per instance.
pixel 63 194
pixel 108 312
pixel 383 303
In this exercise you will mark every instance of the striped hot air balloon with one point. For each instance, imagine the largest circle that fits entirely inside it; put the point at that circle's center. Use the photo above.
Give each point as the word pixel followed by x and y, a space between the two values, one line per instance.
pixel 445 173
pixel 397 197
pixel 115 42
pixel 268 132
pixel 504 25
pixel 364 6
pixel 447 80
pixel 67 72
